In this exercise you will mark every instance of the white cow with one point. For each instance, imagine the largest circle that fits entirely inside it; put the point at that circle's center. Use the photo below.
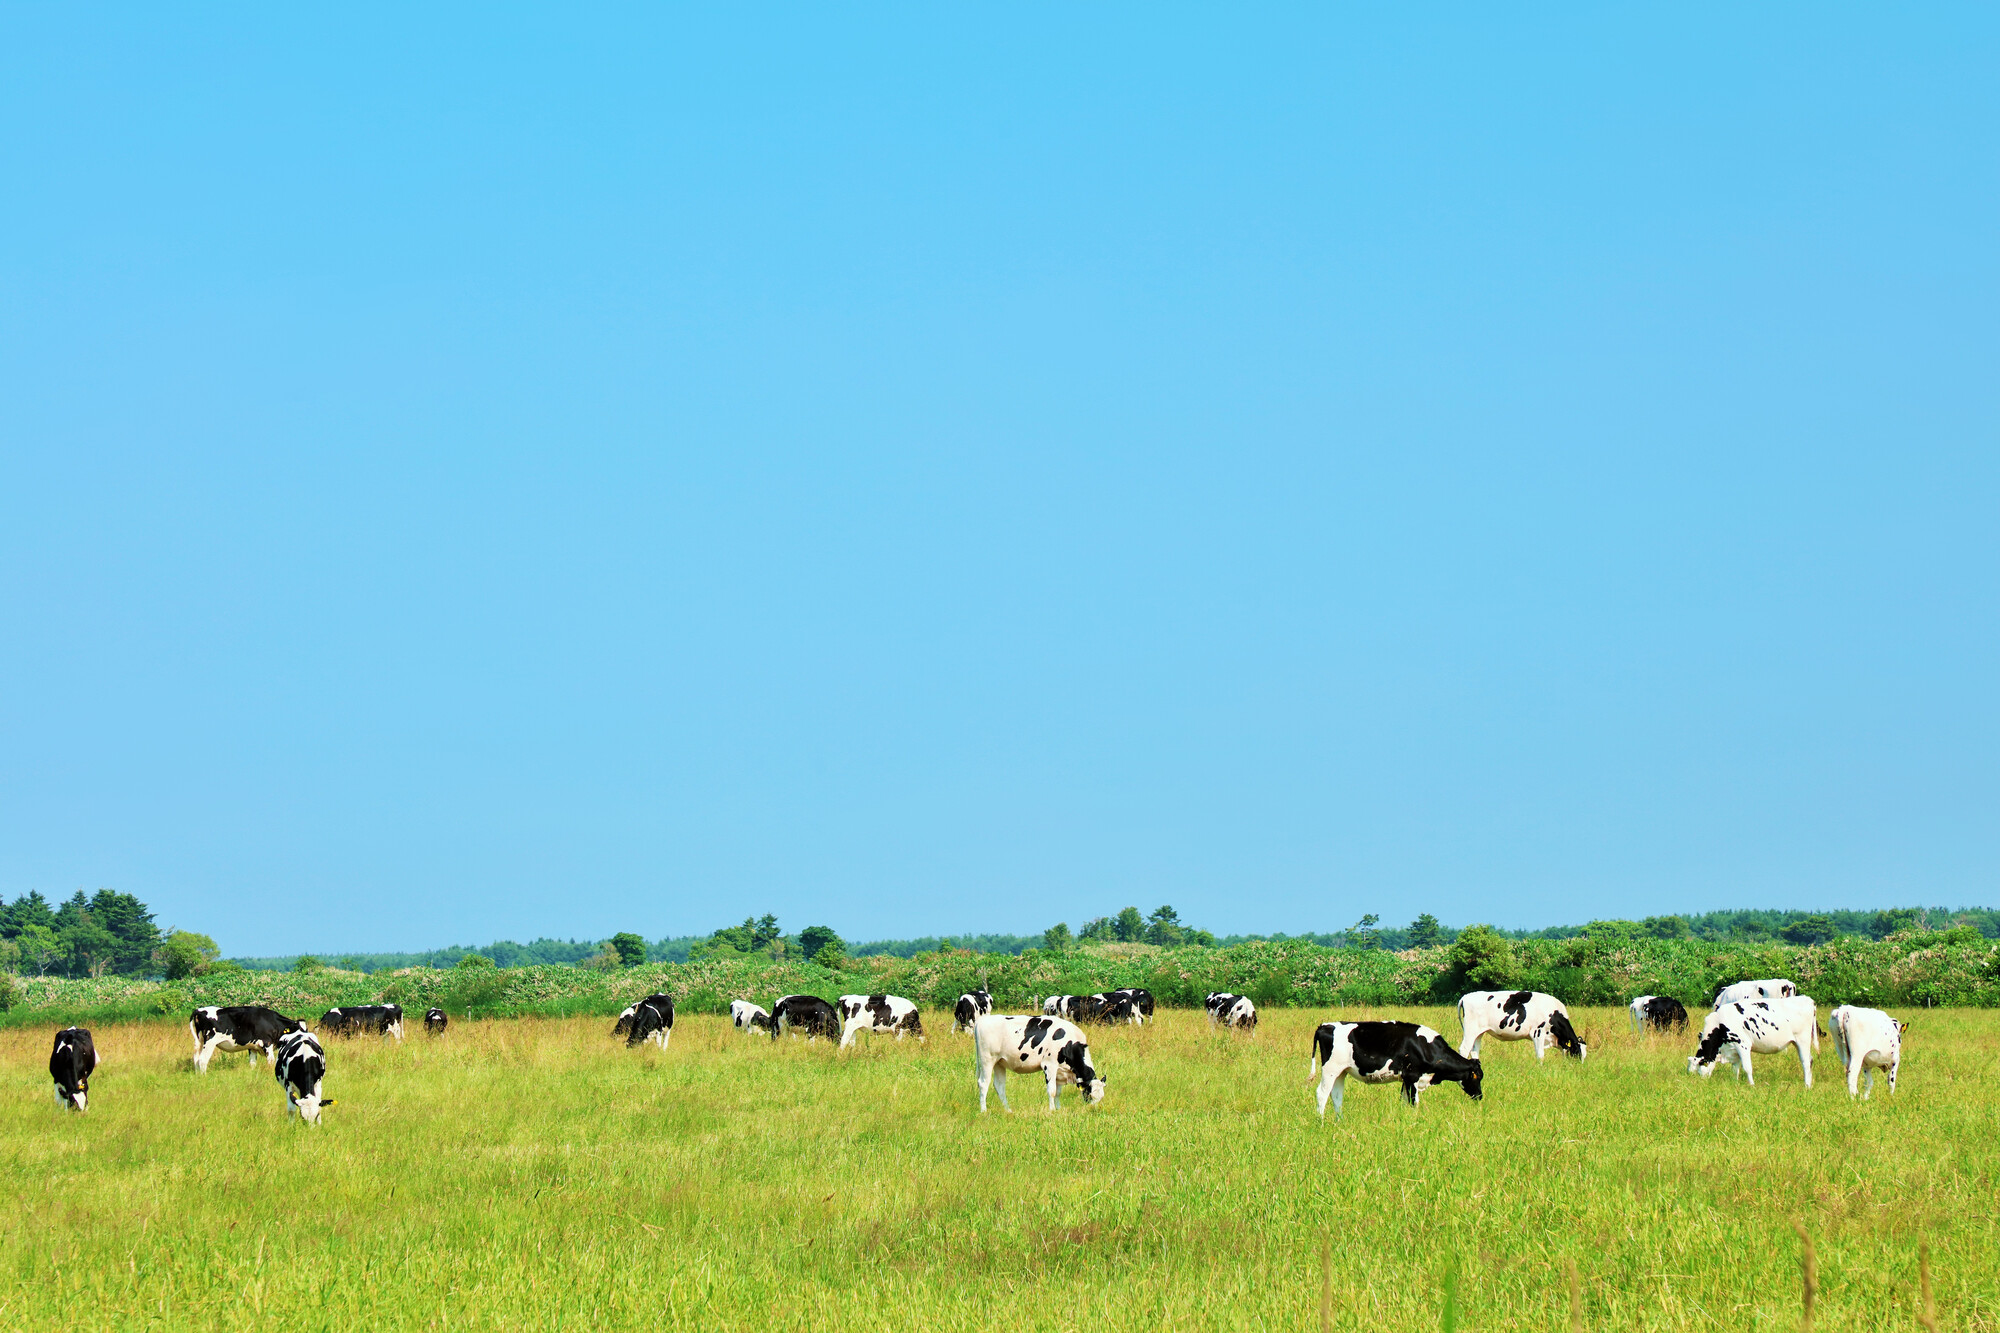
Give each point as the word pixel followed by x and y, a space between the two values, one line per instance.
pixel 300 1065
pixel 1866 1039
pixel 889 1014
pixel 1770 988
pixel 1516 1015
pixel 1003 1042
pixel 1763 1027
pixel 749 1017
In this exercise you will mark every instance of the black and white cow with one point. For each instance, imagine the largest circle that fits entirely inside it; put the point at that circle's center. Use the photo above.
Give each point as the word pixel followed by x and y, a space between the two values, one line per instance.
pixel 808 1013
pixel 238 1027
pixel 1770 988
pixel 748 1017
pixel 1016 1042
pixel 351 1020
pixel 888 1014
pixel 1386 1051
pixel 651 1019
pixel 300 1065
pixel 1659 1012
pixel 1517 1015
pixel 74 1059
pixel 1231 1011
pixel 1863 1040
pixel 1763 1027
pixel 435 1022
pixel 1061 1006
pixel 971 1006
pixel 1141 998
pixel 1118 1009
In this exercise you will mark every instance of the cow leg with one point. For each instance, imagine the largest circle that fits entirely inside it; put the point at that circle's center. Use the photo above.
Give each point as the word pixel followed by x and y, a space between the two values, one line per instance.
pixel 1743 1063
pixel 1541 1042
pixel 1895 1063
pixel 1330 1085
pixel 1469 1048
pixel 1000 1086
pixel 1049 1071
pixel 204 1054
pixel 847 1031
pixel 1805 1061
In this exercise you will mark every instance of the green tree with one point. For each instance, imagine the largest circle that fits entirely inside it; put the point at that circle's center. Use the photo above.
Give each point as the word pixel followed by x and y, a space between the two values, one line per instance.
pixel 631 948
pixel 1481 958
pixel 306 963
pixel 1164 927
pixel 183 953
pixel 1128 927
pixel 1425 932
pixel 40 947
pixel 1097 928
pixel 1887 923
pixel 766 932
pixel 1666 928
pixel 1363 935
pixel 131 925
pixel 814 939
pixel 89 950
pixel 476 962
pixel 1057 937
pixel 831 954
pixel 1814 929
pixel 30 909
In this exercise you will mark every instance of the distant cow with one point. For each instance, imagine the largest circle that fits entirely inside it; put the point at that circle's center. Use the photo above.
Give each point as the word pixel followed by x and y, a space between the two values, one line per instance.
pixel 748 1017
pixel 1659 1012
pixel 971 1006
pixel 75 1058
pixel 238 1027
pixel 1864 1040
pixel 1004 1042
pixel 1231 1011
pixel 1386 1051
pixel 652 1019
pixel 1141 998
pixel 1771 988
pixel 351 1020
pixel 1519 1015
pixel 808 1013
pixel 887 1014
pixel 1763 1027
pixel 435 1022
pixel 623 1027
pixel 1061 1006
pixel 1118 1009
pixel 300 1065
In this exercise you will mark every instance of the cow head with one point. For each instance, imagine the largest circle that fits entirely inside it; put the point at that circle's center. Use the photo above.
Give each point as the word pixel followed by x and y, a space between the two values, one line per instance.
pixel 1713 1039
pixel 1565 1036
pixel 1074 1059
pixel 1473 1080
pixel 76 1098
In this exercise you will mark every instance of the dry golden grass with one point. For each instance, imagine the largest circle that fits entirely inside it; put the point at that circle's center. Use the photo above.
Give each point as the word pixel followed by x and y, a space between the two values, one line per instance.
pixel 535 1174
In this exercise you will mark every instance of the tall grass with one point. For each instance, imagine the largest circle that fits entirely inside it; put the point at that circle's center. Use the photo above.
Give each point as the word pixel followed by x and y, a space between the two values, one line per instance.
pixel 533 1173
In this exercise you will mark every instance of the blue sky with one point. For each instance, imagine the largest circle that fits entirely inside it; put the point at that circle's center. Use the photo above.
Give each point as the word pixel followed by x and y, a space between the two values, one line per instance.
pixel 495 472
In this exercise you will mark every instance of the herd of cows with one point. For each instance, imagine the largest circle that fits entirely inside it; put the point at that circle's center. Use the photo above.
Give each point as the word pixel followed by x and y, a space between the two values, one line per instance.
pixel 1747 1018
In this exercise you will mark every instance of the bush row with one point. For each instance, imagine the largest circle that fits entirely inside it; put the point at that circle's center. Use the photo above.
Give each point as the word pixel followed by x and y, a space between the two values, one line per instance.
pixel 1913 969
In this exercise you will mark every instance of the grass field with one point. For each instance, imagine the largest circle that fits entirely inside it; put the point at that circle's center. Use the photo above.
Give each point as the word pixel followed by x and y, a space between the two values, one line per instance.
pixel 535 1174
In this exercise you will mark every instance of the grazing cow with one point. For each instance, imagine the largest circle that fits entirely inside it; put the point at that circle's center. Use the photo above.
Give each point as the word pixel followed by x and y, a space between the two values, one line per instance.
pixel 238 1027
pixel 748 1017
pixel 623 1027
pixel 1771 988
pixel 1003 1042
pixel 300 1064
pixel 1763 1027
pixel 971 1005
pixel 1517 1015
pixel 351 1020
pixel 1863 1040
pixel 1386 1051
pixel 1659 1012
pixel 1141 998
pixel 435 1022
pixel 889 1014
pixel 810 1014
pixel 75 1058
pixel 1231 1011
pixel 1118 1009
pixel 652 1019
pixel 1061 1006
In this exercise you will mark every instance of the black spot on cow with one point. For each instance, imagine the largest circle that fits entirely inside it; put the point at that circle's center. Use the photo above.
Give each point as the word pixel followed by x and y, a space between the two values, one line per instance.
pixel 1514 1010
pixel 1663 1012
pixel 1037 1029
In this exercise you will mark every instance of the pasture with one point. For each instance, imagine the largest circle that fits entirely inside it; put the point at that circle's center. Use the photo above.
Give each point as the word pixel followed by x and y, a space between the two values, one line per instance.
pixel 533 1173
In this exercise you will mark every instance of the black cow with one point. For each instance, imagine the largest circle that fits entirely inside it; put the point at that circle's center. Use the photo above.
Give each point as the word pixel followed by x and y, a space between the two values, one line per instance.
pixel 1385 1051
pixel 435 1022
pixel 238 1027
pixel 1141 998
pixel 351 1020
pixel 652 1020
pixel 971 1006
pixel 70 1065
pixel 623 1027
pixel 812 1015
pixel 1659 1012
pixel 300 1065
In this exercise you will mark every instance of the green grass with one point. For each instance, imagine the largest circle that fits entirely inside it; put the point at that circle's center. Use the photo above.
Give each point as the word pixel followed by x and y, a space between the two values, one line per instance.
pixel 534 1174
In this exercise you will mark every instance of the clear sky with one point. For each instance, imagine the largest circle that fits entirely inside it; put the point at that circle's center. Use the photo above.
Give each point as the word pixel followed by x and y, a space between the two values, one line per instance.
pixel 470 472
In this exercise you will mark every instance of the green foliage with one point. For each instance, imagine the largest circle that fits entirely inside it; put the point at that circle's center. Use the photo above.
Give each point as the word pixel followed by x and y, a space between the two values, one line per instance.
pixel 832 955
pixel 814 939
pixel 631 949
pixel 10 994
pixel 1666 928
pixel 40 949
pixel 1128 927
pixel 1057 937
pixel 1810 930
pixel 307 963
pixel 474 962
pixel 1481 958
pixel 1425 932
pixel 183 952
pixel 1097 928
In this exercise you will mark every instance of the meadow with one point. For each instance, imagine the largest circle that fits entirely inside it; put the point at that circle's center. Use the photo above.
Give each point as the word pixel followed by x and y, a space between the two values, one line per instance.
pixel 533 1173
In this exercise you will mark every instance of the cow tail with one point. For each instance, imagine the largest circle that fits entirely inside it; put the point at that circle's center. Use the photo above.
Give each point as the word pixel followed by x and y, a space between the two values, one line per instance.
pixel 1322 1051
